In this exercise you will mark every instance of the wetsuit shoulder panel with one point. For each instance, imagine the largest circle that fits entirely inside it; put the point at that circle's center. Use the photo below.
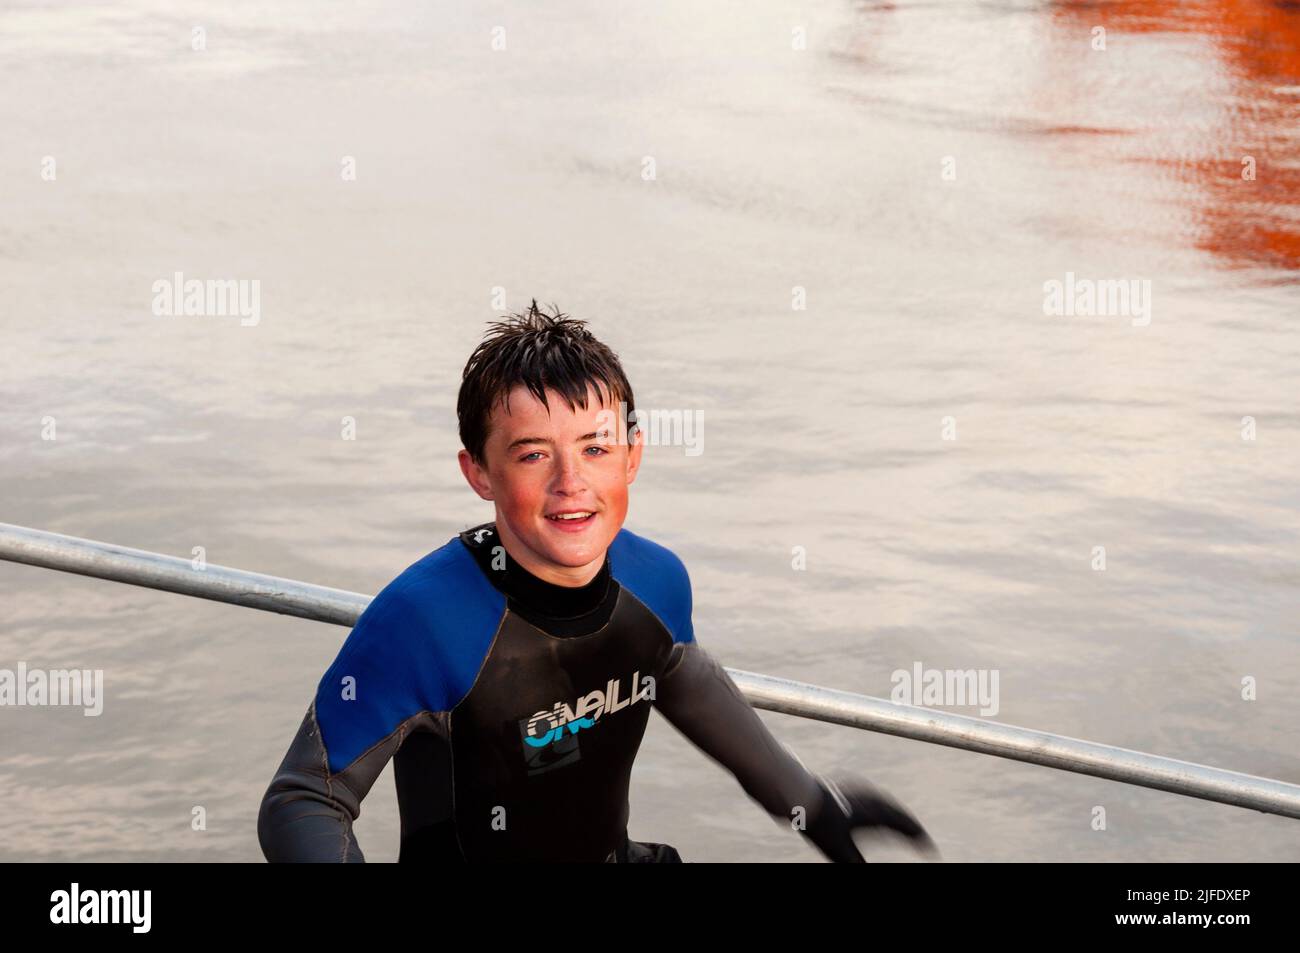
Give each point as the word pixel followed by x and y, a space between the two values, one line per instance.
pixel 658 578
pixel 417 647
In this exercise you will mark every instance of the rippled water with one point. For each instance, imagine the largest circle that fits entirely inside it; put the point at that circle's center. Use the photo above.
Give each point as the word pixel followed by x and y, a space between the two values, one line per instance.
pixel 823 169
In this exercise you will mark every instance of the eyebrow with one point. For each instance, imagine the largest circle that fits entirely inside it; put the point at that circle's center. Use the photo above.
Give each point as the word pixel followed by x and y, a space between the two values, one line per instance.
pixel 522 441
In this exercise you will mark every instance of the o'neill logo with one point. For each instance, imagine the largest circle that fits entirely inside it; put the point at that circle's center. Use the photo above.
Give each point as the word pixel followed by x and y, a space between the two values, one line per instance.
pixel 547 727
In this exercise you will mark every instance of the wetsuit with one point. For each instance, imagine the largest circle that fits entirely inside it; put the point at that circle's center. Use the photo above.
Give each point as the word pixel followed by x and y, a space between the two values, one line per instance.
pixel 513 709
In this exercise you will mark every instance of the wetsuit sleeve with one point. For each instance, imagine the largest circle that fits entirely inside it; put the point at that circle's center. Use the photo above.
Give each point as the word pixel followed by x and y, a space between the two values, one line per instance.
pixel 369 700
pixel 307 812
pixel 701 701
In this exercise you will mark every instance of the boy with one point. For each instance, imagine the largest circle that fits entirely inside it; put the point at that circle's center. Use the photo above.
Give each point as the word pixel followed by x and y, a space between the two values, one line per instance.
pixel 510 673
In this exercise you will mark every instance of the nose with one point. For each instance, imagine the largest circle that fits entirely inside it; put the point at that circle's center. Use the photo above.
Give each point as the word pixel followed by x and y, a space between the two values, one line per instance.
pixel 568 479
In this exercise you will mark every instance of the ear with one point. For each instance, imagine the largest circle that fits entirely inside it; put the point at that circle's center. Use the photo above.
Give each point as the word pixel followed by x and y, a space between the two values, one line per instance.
pixel 475 475
pixel 634 454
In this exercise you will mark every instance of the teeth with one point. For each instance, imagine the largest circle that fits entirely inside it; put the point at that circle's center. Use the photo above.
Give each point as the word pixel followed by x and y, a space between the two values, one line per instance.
pixel 569 516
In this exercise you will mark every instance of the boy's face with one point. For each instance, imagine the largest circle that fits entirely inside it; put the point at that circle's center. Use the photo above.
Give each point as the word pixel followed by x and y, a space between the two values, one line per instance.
pixel 539 464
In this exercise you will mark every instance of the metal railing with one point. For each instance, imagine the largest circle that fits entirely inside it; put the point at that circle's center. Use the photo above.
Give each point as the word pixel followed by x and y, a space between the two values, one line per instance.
pixel 340 607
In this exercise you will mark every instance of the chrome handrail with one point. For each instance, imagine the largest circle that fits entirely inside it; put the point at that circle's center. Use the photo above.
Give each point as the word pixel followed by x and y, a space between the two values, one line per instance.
pixel 338 606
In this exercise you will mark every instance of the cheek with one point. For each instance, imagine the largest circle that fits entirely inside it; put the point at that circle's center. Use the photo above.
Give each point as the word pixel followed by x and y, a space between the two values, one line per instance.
pixel 522 491
pixel 613 488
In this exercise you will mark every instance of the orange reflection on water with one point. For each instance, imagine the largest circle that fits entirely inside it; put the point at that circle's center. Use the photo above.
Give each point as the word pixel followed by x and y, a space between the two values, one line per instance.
pixel 1245 221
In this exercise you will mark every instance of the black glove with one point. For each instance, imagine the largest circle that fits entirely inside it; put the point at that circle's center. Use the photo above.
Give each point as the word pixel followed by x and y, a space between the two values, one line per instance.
pixel 851 804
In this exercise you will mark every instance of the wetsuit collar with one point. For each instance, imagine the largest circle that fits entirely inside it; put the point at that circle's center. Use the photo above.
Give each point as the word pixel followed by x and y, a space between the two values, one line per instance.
pixel 542 597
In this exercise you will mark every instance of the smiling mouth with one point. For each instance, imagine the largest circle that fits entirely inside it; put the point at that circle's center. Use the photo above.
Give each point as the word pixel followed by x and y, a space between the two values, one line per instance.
pixel 573 519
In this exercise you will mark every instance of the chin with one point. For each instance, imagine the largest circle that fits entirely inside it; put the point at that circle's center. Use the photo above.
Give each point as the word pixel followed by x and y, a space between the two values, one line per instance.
pixel 576 554
pixel 575 549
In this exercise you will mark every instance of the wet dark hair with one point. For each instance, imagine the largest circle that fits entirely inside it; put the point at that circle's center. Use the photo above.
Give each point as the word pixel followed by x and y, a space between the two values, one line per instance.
pixel 539 351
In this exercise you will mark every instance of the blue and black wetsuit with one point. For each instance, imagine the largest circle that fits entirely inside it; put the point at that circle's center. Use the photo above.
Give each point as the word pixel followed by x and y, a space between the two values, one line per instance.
pixel 513 710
